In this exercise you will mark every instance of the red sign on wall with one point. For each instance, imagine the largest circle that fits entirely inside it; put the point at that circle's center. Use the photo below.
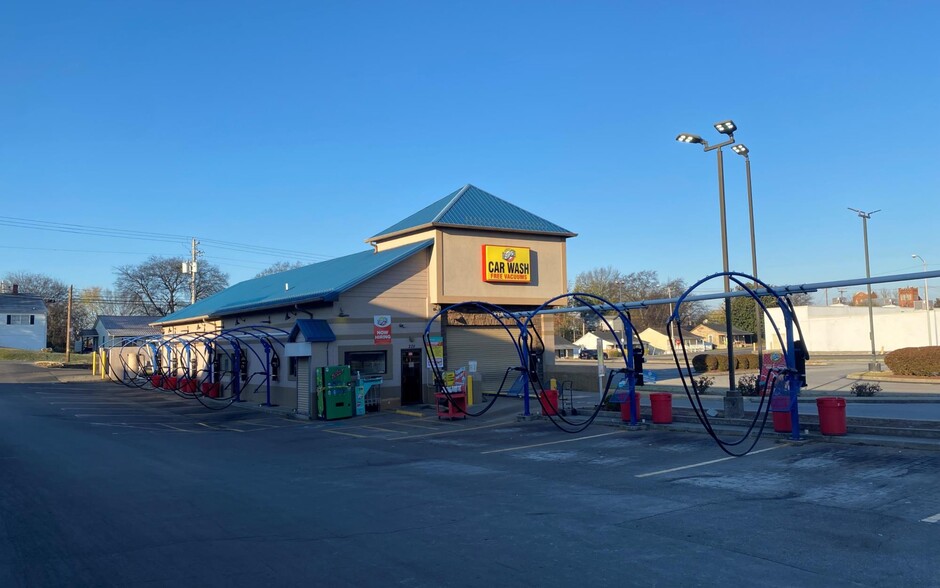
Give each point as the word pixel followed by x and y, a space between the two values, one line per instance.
pixel 382 329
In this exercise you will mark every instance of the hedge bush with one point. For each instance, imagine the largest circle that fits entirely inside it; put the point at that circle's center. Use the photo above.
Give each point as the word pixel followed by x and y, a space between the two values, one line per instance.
pixel 712 363
pixel 914 361
pixel 719 362
pixel 722 361
pixel 745 361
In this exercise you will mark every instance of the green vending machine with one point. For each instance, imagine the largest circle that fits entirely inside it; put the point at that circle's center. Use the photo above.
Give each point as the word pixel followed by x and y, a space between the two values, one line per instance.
pixel 335 398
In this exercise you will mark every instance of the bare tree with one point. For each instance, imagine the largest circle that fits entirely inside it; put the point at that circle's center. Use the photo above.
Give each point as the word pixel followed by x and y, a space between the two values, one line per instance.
pixel 104 302
pixel 614 286
pixel 281 266
pixel 158 287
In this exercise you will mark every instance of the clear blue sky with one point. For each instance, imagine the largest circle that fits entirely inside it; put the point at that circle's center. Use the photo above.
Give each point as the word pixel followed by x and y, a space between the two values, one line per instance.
pixel 309 126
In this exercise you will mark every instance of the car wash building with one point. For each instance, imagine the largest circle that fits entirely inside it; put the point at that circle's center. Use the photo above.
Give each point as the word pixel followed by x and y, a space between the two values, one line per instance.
pixel 369 310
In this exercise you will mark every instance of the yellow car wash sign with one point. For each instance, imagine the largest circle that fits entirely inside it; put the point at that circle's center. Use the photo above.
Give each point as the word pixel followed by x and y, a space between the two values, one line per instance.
pixel 506 264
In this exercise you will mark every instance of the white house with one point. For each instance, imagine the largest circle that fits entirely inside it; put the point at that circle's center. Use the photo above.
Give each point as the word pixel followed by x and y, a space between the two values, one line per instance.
pixel 22 321
pixel 589 341
pixel 657 343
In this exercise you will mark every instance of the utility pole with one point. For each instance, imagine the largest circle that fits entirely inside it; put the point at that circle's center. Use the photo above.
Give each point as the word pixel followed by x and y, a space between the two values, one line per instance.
pixel 68 328
pixel 192 273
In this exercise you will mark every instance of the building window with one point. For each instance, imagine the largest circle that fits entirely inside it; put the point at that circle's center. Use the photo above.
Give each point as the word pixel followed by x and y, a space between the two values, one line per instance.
pixel 368 363
pixel 21 319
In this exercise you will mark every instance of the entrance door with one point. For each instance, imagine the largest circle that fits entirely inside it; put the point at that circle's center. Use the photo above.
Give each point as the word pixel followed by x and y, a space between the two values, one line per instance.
pixel 411 376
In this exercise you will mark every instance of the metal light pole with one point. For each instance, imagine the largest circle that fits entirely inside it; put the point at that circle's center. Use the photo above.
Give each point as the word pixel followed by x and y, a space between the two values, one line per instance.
pixel 926 300
pixel 873 365
pixel 728 128
pixel 743 151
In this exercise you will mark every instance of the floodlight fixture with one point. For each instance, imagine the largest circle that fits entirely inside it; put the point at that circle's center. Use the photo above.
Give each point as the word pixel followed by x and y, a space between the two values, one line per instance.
pixel 689 138
pixel 741 150
pixel 726 127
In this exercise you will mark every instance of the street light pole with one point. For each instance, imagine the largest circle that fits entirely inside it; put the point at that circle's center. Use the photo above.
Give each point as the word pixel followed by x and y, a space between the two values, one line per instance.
pixel 873 365
pixel 926 300
pixel 743 151
pixel 728 128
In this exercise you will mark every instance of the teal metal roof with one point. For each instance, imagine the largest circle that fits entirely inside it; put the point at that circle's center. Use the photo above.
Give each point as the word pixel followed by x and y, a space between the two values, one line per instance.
pixel 323 281
pixel 472 207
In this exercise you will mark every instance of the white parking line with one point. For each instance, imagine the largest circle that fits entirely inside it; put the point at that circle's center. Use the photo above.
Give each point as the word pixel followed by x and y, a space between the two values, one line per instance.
pixel 454 430
pixel 705 463
pixel 344 433
pixel 934 519
pixel 381 429
pixel 550 443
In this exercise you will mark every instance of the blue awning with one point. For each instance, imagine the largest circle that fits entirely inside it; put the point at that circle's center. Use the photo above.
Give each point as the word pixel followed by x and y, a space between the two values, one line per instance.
pixel 314 331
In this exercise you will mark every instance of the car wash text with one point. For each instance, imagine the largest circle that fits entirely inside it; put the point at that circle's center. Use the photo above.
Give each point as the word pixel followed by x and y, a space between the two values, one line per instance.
pixel 503 263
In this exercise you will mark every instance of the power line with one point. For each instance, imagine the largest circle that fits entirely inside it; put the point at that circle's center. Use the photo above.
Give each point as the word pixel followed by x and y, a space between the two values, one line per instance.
pixel 111 232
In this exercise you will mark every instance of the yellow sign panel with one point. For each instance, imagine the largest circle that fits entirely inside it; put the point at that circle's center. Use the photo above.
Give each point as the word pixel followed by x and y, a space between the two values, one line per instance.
pixel 506 264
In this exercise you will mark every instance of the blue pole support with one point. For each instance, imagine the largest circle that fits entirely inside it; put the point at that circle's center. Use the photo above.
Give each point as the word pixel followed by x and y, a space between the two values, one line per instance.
pixel 267 373
pixel 237 373
pixel 793 378
pixel 631 373
pixel 524 340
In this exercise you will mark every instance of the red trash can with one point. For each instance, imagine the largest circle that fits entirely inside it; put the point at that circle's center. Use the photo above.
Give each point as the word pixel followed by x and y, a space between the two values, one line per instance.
pixel 782 422
pixel 831 415
pixel 170 383
pixel 210 389
pixel 662 408
pixel 156 380
pixel 549 400
pixel 625 408
pixel 188 385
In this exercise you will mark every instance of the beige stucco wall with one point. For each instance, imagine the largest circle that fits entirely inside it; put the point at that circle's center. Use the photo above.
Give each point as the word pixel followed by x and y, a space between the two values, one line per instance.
pixel 460 263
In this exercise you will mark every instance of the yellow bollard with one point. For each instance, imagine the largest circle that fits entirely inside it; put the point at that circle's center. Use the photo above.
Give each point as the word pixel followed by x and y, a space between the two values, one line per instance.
pixel 469 390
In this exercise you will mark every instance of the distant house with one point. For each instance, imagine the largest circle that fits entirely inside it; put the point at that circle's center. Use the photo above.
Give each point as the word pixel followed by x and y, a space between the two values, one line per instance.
pixel 657 343
pixel 113 330
pixel 22 321
pixel 564 347
pixel 589 341
pixel 717 336
pixel 861 299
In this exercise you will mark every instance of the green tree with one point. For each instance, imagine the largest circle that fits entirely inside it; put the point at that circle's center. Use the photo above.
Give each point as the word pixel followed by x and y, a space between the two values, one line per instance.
pixel 744 310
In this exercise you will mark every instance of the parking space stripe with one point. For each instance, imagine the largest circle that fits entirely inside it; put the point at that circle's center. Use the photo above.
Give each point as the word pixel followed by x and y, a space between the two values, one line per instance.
pixel 455 430
pixel 417 425
pixel 934 519
pixel 345 433
pixel 705 463
pixel 550 443
pixel 381 429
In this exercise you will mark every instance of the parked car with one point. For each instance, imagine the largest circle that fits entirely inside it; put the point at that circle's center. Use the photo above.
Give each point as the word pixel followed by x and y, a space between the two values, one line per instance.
pixel 590 354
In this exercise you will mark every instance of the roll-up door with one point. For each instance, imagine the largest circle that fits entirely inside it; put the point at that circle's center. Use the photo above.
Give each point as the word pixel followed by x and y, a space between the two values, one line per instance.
pixel 491 348
pixel 303 386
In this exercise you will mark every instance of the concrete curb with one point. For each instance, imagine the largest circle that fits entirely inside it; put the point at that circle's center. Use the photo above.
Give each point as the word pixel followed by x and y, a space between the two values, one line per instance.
pixel 888 377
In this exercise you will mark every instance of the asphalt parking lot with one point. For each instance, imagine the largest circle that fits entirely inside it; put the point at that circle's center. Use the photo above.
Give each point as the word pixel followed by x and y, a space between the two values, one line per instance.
pixel 105 486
